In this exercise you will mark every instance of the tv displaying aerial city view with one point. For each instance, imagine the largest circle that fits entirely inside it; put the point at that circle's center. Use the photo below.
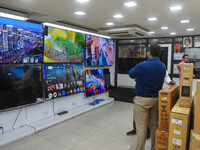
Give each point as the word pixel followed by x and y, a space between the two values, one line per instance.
pixel 20 41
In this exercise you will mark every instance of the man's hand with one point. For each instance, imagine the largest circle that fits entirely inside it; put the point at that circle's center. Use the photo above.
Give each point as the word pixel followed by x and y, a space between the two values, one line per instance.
pixel 135 79
pixel 172 82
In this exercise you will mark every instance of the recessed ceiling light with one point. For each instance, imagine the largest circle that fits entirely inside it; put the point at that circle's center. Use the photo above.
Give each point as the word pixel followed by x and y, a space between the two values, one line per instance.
pixel 110 24
pixel 151 32
pixel 83 1
pixel 130 4
pixel 174 8
pixel 152 19
pixel 185 21
pixel 190 29
pixel 79 13
pixel 118 16
pixel 173 33
pixel 164 28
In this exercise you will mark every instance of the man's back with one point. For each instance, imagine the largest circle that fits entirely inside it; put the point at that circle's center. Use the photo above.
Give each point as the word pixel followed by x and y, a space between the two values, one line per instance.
pixel 150 77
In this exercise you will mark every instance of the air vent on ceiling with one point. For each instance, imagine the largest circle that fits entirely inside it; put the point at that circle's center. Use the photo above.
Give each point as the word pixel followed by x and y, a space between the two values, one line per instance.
pixel 125 31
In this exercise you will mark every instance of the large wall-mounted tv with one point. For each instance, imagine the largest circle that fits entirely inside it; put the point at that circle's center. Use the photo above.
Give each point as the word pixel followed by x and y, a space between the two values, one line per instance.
pixel 132 51
pixel 21 84
pixel 97 81
pixel 63 80
pixel 99 51
pixel 20 41
pixel 63 46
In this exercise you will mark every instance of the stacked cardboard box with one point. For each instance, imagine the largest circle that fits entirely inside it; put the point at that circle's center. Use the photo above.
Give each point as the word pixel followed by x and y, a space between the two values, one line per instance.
pixel 186 85
pixel 179 126
pixel 197 110
pixel 167 98
pixel 195 135
pixel 194 141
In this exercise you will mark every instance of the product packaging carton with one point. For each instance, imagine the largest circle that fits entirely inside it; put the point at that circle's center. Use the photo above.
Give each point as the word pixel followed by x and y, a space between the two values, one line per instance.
pixel 186 85
pixel 168 96
pixel 179 127
pixel 161 140
pixel 197 110
pixel 194 141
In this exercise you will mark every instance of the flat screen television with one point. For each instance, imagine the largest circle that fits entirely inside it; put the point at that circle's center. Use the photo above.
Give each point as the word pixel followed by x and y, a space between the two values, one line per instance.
pixel 62 46
pixel 20 41
pixel 63 80
pixel 99 51
pixel 97 81
pixel 21 84
pixel 132 51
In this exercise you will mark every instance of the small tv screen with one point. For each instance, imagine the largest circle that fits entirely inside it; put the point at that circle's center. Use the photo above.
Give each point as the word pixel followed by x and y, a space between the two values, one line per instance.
pixel 132 51
pixel 20 41
pixel 63 80
pixel 62 46
pixel 21 84
pixel 97 81
pixel 99 51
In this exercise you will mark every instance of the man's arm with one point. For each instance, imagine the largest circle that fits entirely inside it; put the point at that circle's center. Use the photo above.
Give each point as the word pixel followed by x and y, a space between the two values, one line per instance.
pixel 179 67
pixel 134 72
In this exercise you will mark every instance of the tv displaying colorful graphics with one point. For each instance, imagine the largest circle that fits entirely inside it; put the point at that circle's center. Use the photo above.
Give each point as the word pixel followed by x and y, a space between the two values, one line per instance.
pixel 21 84
pixel 63 46
pixel 97 81
pixel 99 51
pixel 132 51
pixel 20 41
pixel 62 80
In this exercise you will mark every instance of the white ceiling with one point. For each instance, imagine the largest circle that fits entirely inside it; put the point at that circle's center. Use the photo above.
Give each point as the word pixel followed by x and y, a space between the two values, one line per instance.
pixel 98 12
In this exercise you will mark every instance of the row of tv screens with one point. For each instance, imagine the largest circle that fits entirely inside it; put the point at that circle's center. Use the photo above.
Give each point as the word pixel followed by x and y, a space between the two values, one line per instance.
pixel 24 42
pixel 23 84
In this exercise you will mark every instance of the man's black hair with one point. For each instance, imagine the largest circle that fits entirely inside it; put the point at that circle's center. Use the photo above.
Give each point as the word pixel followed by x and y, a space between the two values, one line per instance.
pixel 185 56
pixel 155 50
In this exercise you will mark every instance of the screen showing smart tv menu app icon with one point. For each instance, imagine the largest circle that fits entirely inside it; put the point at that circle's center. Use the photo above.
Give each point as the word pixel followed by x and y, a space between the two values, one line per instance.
pixel 63 79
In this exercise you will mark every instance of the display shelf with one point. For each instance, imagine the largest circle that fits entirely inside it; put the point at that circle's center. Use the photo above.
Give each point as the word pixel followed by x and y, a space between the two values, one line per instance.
pixel 32 128
pixel 15 135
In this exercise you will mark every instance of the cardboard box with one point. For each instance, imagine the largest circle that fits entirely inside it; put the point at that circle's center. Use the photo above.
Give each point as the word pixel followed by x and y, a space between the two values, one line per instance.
pixel 168 96
pixel 161 140
pixel 197 110
pixel 179 127
pixel 194 141
pixel 186 84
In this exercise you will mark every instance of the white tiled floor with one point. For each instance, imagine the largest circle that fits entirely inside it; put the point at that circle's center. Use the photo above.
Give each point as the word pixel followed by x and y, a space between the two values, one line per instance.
pixel 101 129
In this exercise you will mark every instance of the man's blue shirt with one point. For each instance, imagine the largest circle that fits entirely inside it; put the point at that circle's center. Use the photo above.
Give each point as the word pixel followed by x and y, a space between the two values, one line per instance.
pixel 150 77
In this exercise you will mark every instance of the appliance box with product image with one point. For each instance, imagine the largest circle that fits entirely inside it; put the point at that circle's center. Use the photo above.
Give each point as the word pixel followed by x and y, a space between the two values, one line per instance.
pixel 186 85
pixel 179 126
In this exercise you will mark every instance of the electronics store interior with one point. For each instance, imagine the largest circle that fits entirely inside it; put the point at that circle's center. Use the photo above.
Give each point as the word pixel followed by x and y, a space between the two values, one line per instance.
pixel 99 75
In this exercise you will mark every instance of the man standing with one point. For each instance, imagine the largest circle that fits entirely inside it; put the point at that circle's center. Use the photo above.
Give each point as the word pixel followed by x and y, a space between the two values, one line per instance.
pixel 185 59
pixel 150 78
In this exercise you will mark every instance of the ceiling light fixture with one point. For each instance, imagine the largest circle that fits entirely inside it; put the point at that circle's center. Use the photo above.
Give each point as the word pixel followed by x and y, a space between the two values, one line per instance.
pixel 164 28
pixel 73 29
pixel 190 29
pixel 83 1
pixel 173 33
pixel 80 13
pixel 6 15
pixel 130 4
pixel 152 19
pixel 110 24
pixel 151 32
pixel 175 8
pixel 118 16
pixel 185 21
